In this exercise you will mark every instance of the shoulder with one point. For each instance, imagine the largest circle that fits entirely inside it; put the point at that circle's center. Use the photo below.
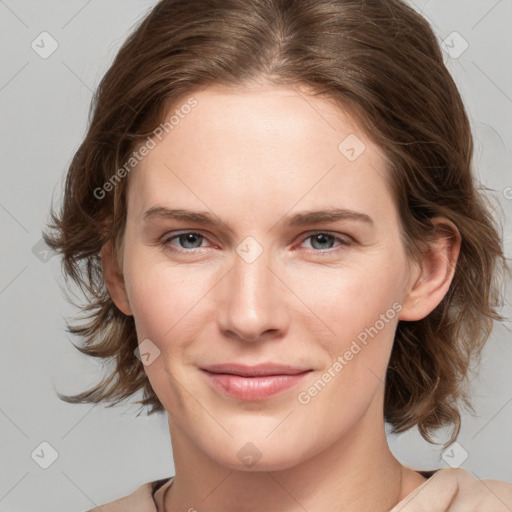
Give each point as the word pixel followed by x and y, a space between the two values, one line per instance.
pixel 451 489
pixel 140 499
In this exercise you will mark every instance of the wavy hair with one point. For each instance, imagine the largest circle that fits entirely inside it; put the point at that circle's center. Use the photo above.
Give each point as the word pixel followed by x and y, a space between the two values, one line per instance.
pixel 379 60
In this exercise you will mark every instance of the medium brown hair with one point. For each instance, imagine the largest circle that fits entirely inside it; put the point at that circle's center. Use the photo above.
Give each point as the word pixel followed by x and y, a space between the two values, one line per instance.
pixel 378 59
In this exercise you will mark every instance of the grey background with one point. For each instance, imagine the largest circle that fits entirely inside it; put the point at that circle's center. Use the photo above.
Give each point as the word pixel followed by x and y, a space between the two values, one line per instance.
pixel 105 453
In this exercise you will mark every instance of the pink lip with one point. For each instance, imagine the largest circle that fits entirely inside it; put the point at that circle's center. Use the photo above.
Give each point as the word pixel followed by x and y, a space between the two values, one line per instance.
pixel 253 382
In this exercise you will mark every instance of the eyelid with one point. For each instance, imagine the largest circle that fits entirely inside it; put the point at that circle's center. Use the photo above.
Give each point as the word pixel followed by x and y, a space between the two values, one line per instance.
pixel 170 236
pixel 344 240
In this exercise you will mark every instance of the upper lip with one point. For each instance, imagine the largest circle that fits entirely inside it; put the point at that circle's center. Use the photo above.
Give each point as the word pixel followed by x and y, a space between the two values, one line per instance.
pixel 256 370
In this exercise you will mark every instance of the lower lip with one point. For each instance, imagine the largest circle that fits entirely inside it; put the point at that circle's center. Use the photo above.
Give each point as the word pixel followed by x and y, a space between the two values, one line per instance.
pixel 253 388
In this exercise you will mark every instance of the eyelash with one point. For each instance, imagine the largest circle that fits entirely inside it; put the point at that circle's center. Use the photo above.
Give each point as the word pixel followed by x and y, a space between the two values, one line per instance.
pixel 344 243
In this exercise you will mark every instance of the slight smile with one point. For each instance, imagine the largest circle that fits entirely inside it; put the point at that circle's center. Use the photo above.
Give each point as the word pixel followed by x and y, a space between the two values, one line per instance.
pixel 253 382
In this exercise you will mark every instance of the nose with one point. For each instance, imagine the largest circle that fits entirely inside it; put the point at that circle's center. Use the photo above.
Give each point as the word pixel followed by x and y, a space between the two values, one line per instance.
pixel 252 303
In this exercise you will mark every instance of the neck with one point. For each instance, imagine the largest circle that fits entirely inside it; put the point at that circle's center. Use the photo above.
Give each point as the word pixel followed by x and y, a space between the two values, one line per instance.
pixel 357 472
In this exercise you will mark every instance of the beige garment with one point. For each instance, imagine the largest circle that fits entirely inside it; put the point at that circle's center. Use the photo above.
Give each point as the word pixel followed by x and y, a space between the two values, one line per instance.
pixel 447 490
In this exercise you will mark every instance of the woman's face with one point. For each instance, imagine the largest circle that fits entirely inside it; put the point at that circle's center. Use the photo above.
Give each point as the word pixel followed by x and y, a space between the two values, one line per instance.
pixel 257 278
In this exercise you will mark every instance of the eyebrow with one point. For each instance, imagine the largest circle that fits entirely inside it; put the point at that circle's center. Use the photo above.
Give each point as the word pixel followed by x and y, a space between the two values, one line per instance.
pixel 297 219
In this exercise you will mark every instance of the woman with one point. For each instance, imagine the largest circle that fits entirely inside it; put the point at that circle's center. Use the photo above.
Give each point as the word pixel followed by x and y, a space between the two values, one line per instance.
pixel 229 142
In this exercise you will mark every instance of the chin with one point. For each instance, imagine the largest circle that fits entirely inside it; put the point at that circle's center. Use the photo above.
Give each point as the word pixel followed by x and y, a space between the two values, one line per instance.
pixel 254 462
pixel 256 453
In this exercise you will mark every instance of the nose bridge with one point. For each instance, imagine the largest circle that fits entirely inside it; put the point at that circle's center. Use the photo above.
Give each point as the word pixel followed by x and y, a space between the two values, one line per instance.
pixel 252 304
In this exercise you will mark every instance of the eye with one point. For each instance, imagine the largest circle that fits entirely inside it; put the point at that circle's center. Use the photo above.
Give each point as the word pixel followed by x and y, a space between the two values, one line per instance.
pixel 188 240
pixel 322 242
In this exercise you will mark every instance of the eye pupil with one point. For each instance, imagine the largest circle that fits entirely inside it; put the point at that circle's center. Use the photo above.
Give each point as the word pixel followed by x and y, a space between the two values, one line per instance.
pixel 189 238
pixel 322 238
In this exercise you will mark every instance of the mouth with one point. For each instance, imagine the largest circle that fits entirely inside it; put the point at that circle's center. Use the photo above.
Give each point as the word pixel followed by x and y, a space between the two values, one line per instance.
pixel 253 382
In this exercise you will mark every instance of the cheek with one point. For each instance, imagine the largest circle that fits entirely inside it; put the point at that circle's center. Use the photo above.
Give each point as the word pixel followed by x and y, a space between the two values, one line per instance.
pixel 362 312
pixel 162 297
pixel 349 300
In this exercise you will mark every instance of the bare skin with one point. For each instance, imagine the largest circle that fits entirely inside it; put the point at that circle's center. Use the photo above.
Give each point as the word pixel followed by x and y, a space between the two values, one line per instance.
pixel 252 158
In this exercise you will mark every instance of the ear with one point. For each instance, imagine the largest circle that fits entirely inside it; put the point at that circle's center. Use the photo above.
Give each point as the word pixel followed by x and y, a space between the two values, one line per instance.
pixel 432 276
pixel 114 279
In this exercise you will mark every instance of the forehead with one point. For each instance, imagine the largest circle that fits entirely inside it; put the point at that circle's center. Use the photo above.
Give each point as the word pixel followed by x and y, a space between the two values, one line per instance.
pixel 269 145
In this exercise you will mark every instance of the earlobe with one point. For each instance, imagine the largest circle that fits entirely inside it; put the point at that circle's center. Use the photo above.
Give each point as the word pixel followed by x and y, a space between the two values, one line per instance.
pixel 114 279
pixel 434 273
